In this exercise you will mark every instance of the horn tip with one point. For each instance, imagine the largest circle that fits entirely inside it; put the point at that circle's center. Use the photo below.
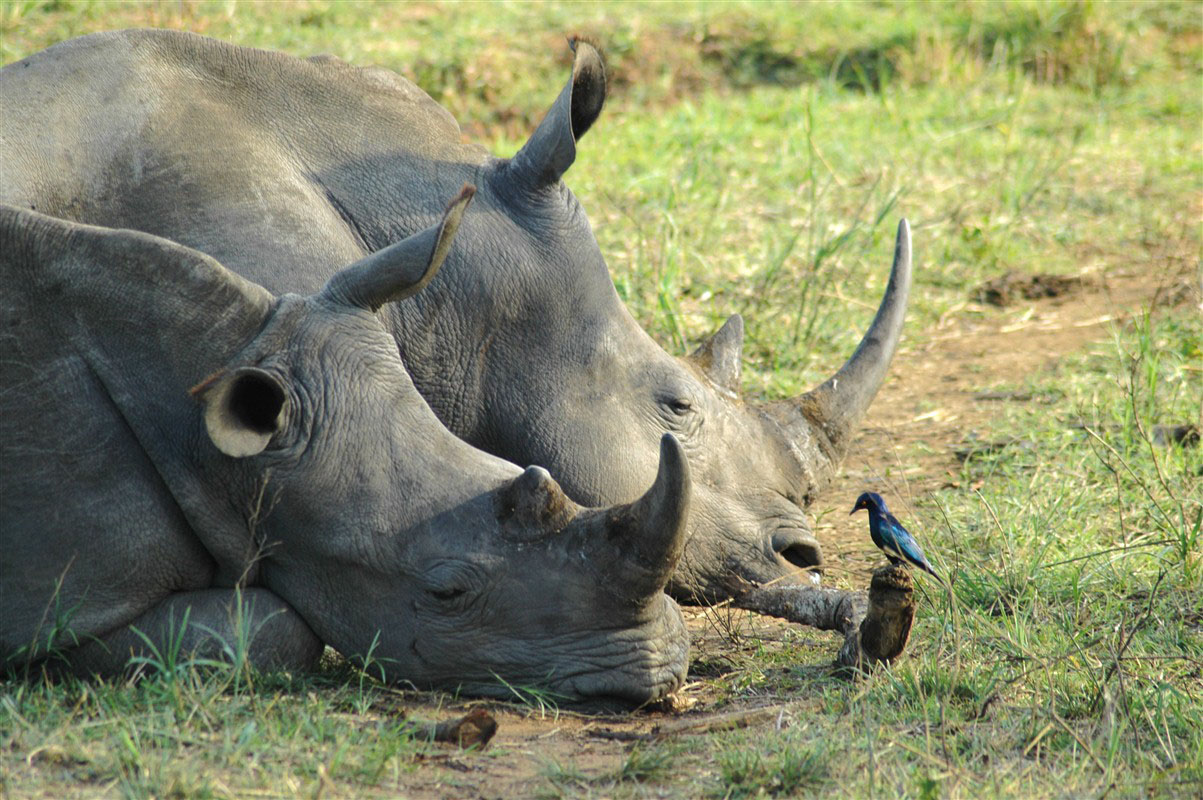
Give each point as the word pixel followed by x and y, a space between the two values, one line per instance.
pixel 902 243
pixel 672 457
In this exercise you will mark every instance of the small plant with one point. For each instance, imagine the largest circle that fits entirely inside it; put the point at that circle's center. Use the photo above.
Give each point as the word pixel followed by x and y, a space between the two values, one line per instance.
pixel 566 778
pixel 648 763
pixel 51 643
pixel 777 766
pixel 172 659
pixel 543 701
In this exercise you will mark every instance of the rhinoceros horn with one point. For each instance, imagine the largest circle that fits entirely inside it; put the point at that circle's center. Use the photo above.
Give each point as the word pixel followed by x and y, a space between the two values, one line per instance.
pixel 821 422
pixel 637 545
pixel 648 535
pixel 551 149
pixel 401 269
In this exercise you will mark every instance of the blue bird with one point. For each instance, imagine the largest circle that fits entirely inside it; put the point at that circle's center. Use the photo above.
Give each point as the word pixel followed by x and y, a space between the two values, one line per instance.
pixel 889 535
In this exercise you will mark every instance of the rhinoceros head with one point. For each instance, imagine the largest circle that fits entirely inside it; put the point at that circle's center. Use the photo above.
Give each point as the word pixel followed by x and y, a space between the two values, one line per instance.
pixel 570 381
pixel 402 545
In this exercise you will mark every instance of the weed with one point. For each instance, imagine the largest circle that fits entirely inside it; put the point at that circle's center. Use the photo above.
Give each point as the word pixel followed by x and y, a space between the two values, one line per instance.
pixel 543 701
pixel 648 763
pixel 51 642
pixel 780 765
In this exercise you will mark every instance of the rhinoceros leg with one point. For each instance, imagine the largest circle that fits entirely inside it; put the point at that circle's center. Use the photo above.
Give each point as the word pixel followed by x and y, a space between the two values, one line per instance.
pixel 272 635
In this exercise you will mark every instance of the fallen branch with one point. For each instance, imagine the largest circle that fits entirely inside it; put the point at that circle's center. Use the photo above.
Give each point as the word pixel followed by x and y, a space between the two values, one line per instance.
pixel 709 723
pixel 876 625
pixel 474 729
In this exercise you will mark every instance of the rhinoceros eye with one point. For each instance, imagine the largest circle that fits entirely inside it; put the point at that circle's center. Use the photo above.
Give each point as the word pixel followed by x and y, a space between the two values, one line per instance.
pixel 678 405
pixel 449 581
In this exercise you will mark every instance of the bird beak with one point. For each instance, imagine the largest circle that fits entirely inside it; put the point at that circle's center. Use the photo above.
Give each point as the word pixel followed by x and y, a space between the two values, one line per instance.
pixel 854 510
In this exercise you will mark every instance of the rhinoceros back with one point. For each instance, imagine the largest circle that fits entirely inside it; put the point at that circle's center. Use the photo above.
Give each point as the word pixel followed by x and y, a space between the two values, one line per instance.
pixel 191 138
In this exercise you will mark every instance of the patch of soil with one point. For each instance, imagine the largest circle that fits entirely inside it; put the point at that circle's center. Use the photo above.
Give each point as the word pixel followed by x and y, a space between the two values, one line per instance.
pixel 530 743
pixel 1011 287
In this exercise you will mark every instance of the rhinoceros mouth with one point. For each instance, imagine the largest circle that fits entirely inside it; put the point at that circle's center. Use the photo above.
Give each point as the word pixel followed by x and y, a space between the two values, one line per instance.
pixel 631 686
pixel 653 664
pixel 616 667
pixel 628 685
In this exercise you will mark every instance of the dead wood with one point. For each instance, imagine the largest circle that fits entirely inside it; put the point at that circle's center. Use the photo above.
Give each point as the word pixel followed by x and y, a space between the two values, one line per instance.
pixel 876 625
pixel 708 723
pixel 474 729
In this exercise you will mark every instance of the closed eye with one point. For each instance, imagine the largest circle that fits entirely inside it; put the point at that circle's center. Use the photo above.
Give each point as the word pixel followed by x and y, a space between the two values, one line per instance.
pixel 679 412
pixel 447 594
pixel 676 404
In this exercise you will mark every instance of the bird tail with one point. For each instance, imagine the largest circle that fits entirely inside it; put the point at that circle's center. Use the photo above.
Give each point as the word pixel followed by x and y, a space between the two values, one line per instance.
pixel 927 568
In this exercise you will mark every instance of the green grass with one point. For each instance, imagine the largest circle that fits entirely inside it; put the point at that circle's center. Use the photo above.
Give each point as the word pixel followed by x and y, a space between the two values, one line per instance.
pixel 756 158
pixel 189 733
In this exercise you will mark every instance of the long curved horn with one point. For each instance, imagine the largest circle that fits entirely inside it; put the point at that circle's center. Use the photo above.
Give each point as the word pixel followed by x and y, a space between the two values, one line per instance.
pixel 401 269
pixel 821 422
pixel 648 535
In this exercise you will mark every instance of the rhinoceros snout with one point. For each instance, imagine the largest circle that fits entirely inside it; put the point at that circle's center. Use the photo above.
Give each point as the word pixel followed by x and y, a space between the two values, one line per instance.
pixel 647 667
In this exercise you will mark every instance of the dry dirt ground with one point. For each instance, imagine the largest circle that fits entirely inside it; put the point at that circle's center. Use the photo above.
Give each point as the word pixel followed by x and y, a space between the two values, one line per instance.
pixel 933 398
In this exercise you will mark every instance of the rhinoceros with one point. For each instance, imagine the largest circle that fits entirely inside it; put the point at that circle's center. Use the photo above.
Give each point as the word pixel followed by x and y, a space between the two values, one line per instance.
pixel 284 169
pixel 305 476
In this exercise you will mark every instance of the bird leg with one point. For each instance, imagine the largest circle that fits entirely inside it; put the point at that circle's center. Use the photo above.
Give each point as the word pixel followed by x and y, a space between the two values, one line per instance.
pixel 876 625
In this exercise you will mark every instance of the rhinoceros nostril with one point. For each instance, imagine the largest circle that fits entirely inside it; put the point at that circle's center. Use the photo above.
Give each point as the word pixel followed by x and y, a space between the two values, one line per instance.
pixel 798 548
pixel 801 555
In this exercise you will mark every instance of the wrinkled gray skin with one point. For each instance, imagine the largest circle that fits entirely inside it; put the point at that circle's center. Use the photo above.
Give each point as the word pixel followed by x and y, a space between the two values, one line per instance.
pixel 305 468
pixel 284 169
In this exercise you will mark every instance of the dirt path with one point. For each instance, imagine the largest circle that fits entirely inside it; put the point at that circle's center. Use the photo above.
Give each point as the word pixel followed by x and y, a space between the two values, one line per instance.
pixel 939 393
pixel 934 397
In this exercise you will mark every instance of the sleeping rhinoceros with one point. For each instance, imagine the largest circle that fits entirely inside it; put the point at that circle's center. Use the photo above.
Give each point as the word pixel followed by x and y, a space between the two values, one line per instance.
pixel 306 473
pixel 285 169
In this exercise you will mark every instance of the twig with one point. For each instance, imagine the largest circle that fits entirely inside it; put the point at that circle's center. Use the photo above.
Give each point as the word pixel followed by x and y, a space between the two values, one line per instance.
pixel 1068 729
pixel 1105 552
pixel 710 723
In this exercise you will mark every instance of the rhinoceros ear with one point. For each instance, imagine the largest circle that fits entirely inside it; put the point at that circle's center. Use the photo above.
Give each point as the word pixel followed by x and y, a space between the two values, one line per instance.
pixel 721 355
pixel 402 269
pixel 244 408
pixel 551 149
